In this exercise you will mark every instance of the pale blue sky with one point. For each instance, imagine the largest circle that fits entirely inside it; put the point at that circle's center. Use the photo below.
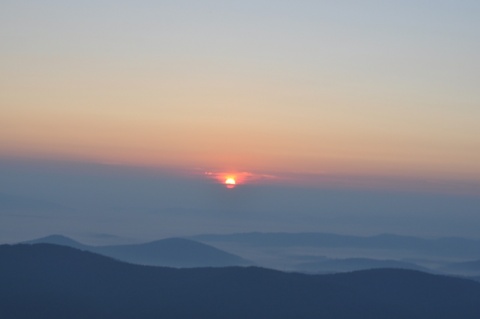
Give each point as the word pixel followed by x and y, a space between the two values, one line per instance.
pixel 364 95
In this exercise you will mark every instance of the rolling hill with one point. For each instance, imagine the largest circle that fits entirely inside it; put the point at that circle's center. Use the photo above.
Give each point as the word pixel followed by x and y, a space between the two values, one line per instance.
pixel 470 268
pixel 51 281
pixel 60 240
pixel 171 252
pixel 353 264
pixel 446 247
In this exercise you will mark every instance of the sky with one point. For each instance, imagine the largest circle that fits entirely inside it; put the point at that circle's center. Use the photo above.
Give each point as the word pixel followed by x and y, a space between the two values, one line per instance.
pixel 305 96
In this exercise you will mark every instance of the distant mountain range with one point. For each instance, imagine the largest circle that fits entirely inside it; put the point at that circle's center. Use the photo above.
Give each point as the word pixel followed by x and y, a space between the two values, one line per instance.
pixel 471 268
pixel 448 246
pixel 52 281
pixel 171 252
pixel 222 250
pixel 326 253
pixel 353 264
pixel 444 247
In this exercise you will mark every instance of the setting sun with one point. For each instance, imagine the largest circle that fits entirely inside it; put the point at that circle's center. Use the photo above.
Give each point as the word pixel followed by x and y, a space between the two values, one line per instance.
pixel 230 182
pixel 234 178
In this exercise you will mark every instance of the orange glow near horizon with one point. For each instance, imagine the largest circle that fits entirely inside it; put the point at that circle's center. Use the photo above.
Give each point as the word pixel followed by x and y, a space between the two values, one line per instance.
pixel 220 107
pixel 232 179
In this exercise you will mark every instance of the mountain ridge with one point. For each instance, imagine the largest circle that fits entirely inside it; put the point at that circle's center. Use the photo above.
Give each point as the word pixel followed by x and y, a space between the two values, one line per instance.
pixel 444 246
pixel 172 252
pixel 52 281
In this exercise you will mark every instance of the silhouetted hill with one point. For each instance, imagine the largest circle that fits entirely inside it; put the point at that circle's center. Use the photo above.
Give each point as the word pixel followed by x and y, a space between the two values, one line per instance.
pixel 171 252
pixel 450 246
pixel 59 240
pixel 51 281
pixel 353 264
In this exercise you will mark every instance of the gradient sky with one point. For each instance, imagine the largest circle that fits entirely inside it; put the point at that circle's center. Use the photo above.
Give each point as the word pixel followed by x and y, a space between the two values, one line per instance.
pixel 328 87
pixel 346 93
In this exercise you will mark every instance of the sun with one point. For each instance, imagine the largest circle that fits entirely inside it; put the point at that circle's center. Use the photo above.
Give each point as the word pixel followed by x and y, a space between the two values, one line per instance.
pixel 230 182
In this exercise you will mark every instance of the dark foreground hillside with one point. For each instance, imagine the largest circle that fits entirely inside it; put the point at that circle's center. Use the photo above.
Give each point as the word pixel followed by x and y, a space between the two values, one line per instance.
pixel 49 281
